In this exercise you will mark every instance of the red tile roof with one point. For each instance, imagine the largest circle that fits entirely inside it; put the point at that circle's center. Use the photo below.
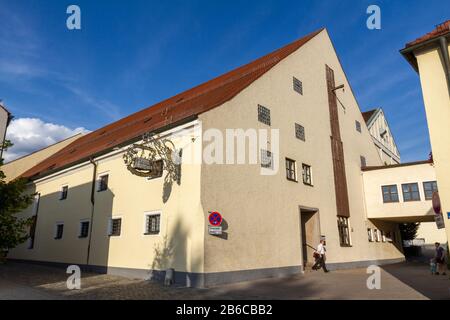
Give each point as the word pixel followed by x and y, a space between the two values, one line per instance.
pixel 182 107
pixel 441 29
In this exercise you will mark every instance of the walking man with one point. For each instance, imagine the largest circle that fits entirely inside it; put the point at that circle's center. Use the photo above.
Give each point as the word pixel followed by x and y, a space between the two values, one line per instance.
pixel 320 256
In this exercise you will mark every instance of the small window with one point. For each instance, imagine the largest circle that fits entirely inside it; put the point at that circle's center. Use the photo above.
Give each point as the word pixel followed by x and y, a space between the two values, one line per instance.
pixel 84 229
pixel 152 224
pixel 429 188
pixel 363 161
pixel 115 226
pixel 383 236
pixel 410 192
pixel 59 231
pixel 390 193
pixel 263 115
pixel 306 173
pixel 344 231
pixel 290 170
pixel 377 235
pixel 298 86
pixel 266 159
pixel 299 132
pixel 103 183
pixel 358 126
pixel 64 192
pixel 370 235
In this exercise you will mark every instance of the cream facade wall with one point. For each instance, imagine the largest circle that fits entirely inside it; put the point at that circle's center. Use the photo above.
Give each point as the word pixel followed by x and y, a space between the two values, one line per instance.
pixel 179 245
pixel 17 167
pixel 262 212
pixel 437 107
pixel 414 211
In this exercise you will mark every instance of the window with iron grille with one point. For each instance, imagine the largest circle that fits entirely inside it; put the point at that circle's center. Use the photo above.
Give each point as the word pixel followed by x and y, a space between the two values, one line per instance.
pixel 84 229
pixel 263 115
pixel 64 192
pixel 266 159
pixel 358 126
pixel 377 235
pixel 370 234
pixel 363 162
pixel 390 193
pixel 152 224
pixel 429 188
pixel 115 227
pixel 306 173
pixel 291 170
pixel 344 232
pixel 298 86
pixel 103 183
pixel 410 192
pixel 59 231
pixel 299 132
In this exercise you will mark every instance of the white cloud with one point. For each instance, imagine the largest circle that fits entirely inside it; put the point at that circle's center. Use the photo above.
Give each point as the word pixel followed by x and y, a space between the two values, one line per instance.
pixel 31 134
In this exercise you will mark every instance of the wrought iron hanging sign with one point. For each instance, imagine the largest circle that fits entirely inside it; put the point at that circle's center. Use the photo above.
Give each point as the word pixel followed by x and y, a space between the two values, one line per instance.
pixel 152 156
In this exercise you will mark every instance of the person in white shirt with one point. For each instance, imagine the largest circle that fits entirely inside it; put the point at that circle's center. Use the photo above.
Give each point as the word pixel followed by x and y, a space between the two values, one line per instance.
pixel 320 256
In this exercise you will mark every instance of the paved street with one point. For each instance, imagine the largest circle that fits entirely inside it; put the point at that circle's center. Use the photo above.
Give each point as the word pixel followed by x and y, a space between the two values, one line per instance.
pixel 399 281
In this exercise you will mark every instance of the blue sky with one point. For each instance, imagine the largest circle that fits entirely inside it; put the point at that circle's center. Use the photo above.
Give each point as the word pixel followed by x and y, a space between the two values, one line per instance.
pixel 132 54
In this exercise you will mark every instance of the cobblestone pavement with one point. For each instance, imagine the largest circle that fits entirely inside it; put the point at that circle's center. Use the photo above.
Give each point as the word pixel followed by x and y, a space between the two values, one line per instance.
pixel 400 281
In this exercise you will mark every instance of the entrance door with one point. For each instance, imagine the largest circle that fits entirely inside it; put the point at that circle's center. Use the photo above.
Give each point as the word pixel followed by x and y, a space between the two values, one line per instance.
pixel 310 233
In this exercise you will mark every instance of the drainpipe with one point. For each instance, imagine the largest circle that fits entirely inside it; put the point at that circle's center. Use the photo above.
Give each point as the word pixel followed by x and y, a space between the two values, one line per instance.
pixel 443 45
pixel 94 179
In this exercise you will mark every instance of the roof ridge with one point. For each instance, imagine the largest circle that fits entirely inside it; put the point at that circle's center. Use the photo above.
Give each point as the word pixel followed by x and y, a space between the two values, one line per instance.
pixel 179 107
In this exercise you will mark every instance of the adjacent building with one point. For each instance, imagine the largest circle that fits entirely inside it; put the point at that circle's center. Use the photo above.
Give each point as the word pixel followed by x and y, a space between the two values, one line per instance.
pixel 5 118
pixel 92 211
pixel 17 167
pixel 382 136
pixel 429 57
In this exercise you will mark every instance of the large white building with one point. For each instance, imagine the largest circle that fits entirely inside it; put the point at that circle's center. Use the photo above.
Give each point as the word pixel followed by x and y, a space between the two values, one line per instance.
pixel 90 210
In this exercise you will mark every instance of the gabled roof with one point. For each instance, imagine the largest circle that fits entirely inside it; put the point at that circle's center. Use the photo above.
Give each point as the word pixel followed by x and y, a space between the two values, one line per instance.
pixel 426 41
pixel 440 30
pixel 178 109
pixel 368 115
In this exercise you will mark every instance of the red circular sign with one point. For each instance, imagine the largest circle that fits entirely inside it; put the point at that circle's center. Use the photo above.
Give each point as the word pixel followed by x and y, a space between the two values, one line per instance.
pixel 437 203
pixel 215 219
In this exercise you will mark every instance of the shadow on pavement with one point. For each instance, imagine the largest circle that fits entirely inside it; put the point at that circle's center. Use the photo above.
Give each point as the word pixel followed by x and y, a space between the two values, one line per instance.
pixel 417 276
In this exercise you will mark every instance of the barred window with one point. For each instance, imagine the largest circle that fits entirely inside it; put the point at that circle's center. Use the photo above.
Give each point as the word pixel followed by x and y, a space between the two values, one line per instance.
pixel 370 234
pixel 263 115
pixel 410 192
pixel 390 193
pixel 377 235
pixel 363 161
pixel 299 132
pixel 429 188
pixel 306 172
pixel 84 229
pixel 115 227
pixel 103 183
pixel 266 159
pixel 358 126
pixel 59 231
pixel 64 192
pixel 344 231
pixel 152 224
pixel 290 170
pixel 298 86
